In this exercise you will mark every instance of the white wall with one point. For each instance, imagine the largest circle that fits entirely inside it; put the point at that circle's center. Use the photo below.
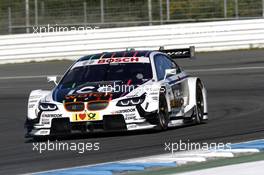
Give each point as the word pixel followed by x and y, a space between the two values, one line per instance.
pixel 205 36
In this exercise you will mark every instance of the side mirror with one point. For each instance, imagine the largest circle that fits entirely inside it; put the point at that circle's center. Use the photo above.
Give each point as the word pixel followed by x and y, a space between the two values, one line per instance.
pixel 169 72
pixel 52 79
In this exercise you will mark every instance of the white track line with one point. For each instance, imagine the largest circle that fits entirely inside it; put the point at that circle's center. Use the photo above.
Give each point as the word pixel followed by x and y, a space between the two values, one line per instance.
pixel 225 69
pixel 25 77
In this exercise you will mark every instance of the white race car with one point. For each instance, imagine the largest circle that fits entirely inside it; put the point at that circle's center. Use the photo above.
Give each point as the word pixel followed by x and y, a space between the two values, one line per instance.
pixel 127 90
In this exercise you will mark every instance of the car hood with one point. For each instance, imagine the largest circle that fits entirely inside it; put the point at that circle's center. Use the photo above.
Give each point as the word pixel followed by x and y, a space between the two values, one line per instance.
pixel 107 90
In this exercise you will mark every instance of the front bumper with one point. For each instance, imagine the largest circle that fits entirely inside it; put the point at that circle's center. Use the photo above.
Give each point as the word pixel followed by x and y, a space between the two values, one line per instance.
pixel 125 119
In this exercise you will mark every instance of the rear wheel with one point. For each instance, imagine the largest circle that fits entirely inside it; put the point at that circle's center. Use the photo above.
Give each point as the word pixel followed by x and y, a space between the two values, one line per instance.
pixel 198 118
pixel 163 114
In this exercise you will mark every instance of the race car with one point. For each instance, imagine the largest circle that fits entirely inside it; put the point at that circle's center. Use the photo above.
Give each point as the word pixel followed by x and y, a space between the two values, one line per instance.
pixel 119 91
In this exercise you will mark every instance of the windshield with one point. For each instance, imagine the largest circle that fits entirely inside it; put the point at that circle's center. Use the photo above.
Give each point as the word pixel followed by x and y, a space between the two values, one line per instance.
pixel 136 73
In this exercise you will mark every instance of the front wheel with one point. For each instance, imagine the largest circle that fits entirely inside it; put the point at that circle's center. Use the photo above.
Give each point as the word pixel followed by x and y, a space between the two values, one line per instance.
pixel 163 114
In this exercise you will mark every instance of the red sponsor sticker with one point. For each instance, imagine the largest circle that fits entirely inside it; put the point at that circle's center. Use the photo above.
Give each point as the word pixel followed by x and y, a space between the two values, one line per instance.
pixel 119 60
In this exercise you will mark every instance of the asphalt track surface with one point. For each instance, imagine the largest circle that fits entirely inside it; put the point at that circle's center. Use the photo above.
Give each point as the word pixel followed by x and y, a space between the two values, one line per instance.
pixel 235 84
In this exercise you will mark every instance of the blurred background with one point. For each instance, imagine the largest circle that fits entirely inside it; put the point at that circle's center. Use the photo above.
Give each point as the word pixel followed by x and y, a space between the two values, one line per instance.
pixel 19 16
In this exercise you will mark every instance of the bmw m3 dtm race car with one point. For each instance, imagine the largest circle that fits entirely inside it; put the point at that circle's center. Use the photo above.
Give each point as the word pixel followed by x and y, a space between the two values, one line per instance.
pixel 115 91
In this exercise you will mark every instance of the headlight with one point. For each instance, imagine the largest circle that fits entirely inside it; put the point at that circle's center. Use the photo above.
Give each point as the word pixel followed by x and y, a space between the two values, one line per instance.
pixel 131 101
pixel 47 107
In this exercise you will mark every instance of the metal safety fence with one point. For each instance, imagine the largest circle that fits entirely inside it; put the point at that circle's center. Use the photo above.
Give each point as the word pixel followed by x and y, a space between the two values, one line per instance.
pixel 19 16
pixel 205 36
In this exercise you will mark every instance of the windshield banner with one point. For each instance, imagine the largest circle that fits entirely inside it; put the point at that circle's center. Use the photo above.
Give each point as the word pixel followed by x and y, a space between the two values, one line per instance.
pixel 112 61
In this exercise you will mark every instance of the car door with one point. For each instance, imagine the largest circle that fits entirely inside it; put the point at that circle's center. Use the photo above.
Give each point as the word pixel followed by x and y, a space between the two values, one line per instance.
pixel 172 82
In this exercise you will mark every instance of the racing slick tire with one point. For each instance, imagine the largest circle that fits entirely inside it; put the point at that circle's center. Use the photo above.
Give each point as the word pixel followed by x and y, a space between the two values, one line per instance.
pixel 199 110
pixel 162 116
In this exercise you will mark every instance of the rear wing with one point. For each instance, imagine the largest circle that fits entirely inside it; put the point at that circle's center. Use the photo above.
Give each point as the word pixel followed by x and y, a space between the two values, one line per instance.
pixel 179 53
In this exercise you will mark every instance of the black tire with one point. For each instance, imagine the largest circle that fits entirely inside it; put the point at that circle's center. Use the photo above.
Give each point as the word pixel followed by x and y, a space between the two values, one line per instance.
pixel 199 112
pixel 162 116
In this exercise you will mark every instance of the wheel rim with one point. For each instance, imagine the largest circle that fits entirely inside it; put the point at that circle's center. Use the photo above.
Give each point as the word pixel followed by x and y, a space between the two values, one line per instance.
pixel 200 104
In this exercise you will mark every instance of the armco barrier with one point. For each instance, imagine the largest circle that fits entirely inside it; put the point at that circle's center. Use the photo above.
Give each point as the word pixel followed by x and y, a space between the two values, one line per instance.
pixel 205 36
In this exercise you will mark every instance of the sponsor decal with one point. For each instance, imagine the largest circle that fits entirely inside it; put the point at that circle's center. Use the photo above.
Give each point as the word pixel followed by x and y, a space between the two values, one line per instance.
pixel 33 101
pixel 130 116
pixel 112 60
pixel 51 115
pixel 31 105
pixel 179 53
pixel 45 121
pixel 35 96
pixel 44 132
pixel 125 111
pixel 95 95
pixel 176 103
pixel 133 96
pixel 155 98
pixel 87 116
pixel 118 60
